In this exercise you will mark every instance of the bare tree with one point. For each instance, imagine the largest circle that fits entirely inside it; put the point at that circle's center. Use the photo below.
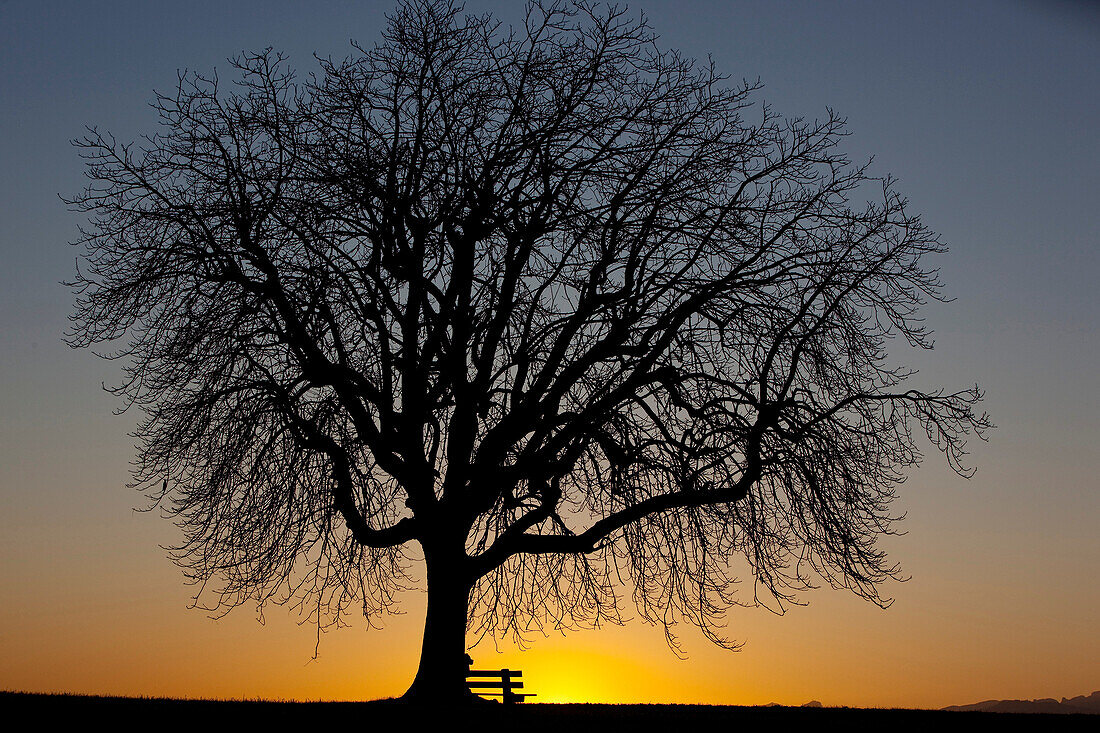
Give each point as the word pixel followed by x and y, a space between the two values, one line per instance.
pixel 549 308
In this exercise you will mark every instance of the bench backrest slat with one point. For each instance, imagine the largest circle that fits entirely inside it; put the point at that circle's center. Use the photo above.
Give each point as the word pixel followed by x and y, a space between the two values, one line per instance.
pixel 492 686
pixel 504 680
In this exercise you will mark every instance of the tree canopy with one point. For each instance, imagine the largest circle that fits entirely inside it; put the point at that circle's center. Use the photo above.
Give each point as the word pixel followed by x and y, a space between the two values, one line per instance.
pixel 560 313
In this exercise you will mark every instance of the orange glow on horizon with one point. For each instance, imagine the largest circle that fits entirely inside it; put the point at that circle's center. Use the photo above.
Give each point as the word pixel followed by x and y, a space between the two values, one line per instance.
pixel 114 620
pixel 134 636
pixel 122 650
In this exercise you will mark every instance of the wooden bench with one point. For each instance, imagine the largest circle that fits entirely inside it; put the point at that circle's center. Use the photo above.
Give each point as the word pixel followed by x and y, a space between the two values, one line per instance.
pixel 503 680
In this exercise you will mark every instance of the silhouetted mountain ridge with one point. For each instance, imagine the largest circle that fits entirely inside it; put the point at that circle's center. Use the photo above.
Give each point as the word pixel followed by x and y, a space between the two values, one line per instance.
pixel 1079 704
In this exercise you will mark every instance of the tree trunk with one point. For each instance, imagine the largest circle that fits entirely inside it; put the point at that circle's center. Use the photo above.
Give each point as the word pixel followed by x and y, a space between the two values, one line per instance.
pixel 442 671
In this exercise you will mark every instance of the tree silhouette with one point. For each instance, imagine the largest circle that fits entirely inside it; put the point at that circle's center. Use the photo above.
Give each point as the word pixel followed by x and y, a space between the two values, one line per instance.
pixel 549 309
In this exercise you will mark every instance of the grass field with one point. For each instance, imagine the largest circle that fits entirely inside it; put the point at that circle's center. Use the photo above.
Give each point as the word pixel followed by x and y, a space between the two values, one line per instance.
pixel 389 715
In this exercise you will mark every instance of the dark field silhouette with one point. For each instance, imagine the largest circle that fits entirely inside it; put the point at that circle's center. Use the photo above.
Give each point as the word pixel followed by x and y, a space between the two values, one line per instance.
pixel 386 713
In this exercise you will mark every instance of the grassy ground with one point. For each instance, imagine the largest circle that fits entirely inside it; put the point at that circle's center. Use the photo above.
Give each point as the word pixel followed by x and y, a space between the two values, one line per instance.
pixel 387 715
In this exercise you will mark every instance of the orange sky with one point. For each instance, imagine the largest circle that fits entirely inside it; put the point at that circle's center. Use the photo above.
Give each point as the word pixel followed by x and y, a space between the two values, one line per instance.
pixel 93 607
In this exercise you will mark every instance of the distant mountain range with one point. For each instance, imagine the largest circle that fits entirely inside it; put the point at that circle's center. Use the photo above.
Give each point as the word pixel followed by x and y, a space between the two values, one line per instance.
pixel 1079 704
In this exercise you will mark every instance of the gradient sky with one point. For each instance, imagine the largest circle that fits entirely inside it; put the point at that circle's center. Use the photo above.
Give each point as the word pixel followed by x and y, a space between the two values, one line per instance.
pixel 986 112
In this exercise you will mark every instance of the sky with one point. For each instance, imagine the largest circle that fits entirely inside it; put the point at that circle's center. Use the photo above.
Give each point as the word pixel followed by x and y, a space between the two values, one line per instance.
pixel 987 114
